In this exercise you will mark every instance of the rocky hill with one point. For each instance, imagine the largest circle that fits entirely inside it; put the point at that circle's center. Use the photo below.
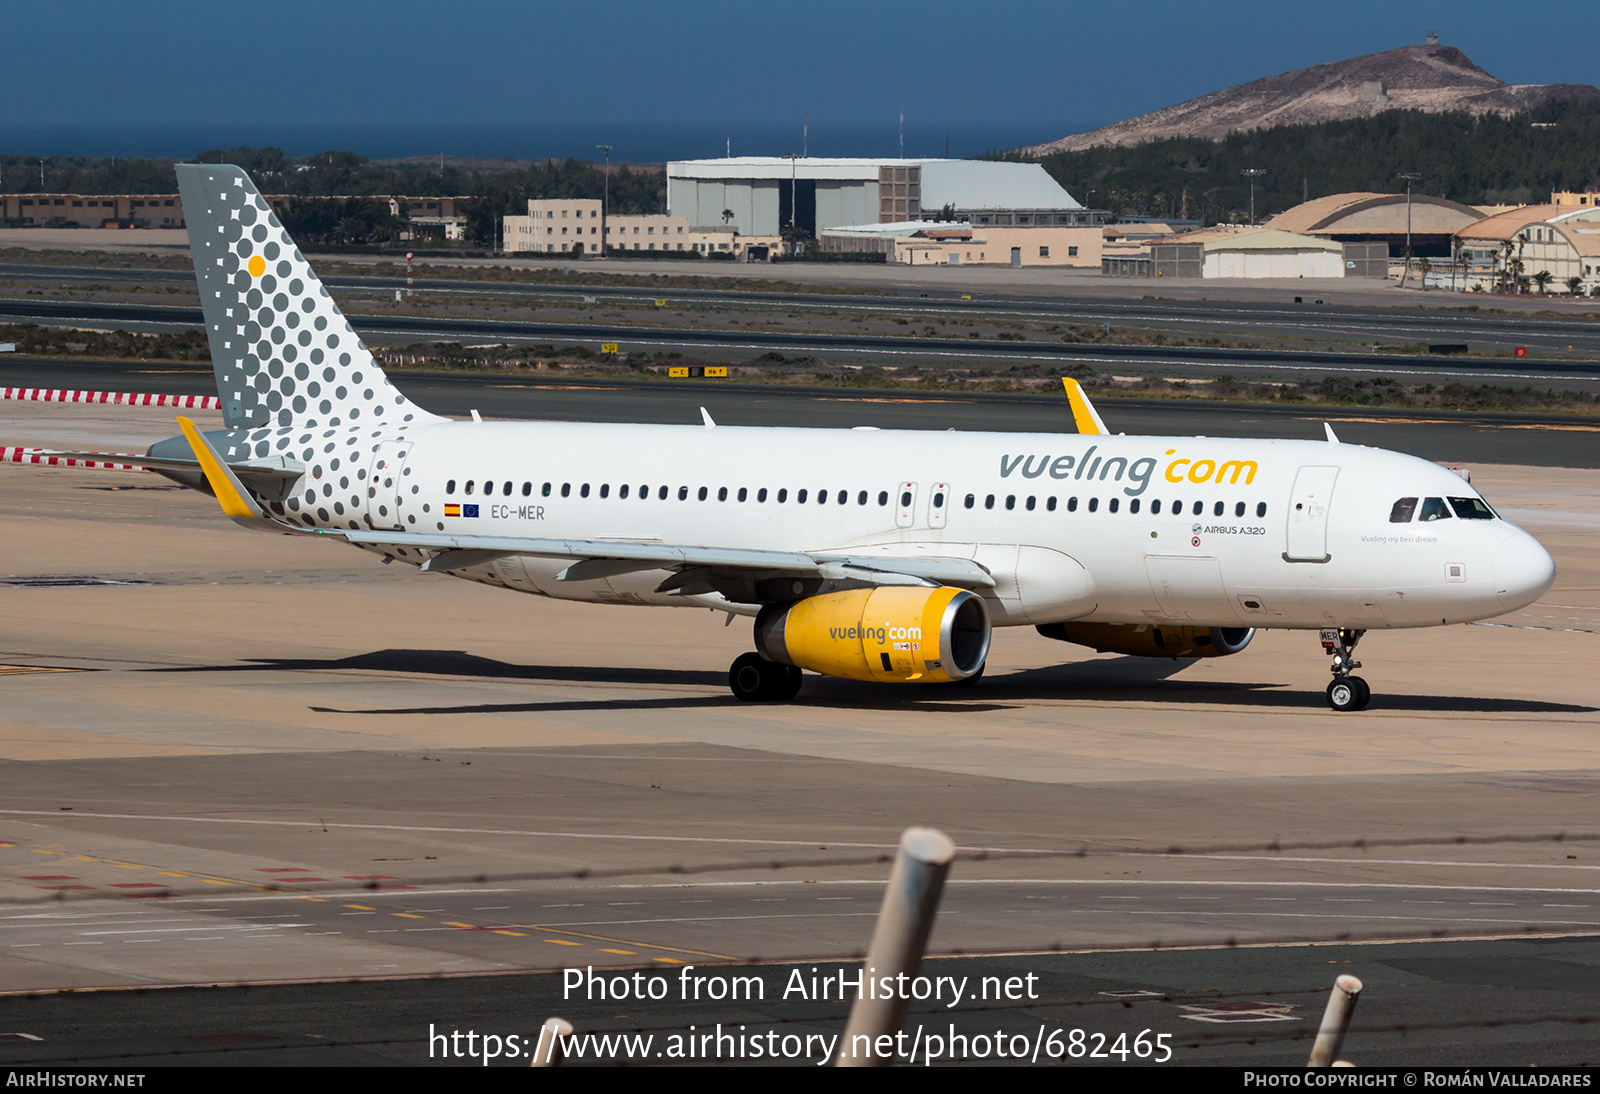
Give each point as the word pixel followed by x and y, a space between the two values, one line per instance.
pixel 1431 78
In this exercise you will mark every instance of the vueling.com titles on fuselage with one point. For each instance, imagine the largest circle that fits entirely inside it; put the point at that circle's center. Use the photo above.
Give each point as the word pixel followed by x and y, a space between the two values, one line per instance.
pixel 1137 473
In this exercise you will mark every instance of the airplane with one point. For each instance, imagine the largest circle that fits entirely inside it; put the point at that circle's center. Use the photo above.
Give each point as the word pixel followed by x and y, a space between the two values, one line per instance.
pixel 868 554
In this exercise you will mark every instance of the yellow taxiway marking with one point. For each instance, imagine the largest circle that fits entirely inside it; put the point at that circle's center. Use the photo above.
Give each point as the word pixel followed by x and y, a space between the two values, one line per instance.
pixel 628 953
pixel 513 934
pixel 625 942
pixel 361 907
pixel 405 915
pixel 563 942
pixel 453 923
pixel 669 960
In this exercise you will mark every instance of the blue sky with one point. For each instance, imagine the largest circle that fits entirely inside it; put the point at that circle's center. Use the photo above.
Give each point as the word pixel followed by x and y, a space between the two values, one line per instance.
pixel 1060 66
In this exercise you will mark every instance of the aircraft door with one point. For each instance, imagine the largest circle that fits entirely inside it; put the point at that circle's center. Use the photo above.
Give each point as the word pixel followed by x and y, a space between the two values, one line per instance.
pixel 905 512
pixel 1308 515
pixel 387 477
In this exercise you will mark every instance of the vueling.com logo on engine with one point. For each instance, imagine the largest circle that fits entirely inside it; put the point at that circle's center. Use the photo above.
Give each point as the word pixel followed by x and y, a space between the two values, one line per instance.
pixel 880 635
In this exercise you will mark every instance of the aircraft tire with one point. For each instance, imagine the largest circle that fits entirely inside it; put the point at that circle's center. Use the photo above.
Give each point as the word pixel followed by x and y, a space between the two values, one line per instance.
pixel 1366 692
pixel 787 685
pixel 1345 693
pixel 749 678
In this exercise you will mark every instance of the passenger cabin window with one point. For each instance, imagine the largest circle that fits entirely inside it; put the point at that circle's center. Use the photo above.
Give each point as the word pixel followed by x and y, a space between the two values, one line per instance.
pixel 544 491
pixel 566 489
pixel 702 494
pixel 1112 505
pixel 970 501
pixel 800 497
pixel 1050 504
pixel 1472 509
pixel 661 494
pixel 1403 511
pixel 1238 510
pixel 1216 510
pixel 1094 503
pixel 883 498
pixel 683 493
pixel 469 486
pixel 450 487
pixel 1261 509
pixel 1133 506
pixel 527 489
pixel 1435 509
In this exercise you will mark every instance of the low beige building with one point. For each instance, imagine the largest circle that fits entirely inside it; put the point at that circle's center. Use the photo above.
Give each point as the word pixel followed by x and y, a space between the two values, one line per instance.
pixel 554 226
pixel 942 243
pixel 91 210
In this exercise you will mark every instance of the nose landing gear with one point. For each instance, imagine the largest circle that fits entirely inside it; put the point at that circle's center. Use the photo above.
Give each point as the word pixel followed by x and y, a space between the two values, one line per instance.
pixel 754 679
pixel 1346 692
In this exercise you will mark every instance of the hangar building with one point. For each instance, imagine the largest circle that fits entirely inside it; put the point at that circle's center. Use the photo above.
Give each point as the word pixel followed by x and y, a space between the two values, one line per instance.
pixel 1380 218
pixel 761 195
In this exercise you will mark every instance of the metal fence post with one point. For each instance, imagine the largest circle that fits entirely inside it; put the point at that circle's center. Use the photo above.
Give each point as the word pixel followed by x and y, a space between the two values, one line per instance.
pixel 1335 1021
pixel 904 922
pixel 547 1053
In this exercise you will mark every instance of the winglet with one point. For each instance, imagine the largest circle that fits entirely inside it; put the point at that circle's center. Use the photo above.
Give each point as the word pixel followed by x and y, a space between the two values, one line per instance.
pixel 706 414
pixel 1083 411
pixel 235 499
pixel 1329 429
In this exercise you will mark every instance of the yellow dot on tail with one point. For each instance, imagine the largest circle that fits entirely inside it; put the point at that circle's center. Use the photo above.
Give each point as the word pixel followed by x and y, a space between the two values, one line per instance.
pixel 258 266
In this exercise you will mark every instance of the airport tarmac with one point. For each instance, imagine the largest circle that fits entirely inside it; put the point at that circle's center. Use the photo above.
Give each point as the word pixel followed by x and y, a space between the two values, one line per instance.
pixel 341 769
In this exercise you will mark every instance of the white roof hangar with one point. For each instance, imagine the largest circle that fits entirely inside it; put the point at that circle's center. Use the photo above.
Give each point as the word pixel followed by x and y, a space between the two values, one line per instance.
pixel 765 194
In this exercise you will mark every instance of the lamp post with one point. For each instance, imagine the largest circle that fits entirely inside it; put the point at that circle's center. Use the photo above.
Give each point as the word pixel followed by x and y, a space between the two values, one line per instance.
pixel 1410 177
pixel 605 203
pixel 1252 173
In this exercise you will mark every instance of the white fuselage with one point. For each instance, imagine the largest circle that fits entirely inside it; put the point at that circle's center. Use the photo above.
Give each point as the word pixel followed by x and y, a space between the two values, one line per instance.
pixel 1115 529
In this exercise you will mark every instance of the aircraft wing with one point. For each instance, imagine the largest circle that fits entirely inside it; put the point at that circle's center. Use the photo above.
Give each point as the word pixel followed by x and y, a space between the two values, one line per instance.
pixel 595 558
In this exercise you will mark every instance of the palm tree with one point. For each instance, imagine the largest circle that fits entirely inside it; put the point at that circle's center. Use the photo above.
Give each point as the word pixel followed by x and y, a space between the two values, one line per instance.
pixel 1424 266
pixel 1574 285
pixel 727 215
pixel 1542 279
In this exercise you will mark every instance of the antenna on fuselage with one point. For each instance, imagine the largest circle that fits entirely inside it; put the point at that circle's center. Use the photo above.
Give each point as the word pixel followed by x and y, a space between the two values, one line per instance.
pixel 1331 438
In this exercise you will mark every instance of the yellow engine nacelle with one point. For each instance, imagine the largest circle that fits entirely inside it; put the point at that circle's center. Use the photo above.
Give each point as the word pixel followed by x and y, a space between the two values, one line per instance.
pixel 1152 640
pixel 895 633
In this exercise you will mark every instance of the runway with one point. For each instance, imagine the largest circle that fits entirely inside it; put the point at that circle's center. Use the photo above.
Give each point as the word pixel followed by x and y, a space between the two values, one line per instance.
pixel 1336 312
pixel 340 771
pixel 716 339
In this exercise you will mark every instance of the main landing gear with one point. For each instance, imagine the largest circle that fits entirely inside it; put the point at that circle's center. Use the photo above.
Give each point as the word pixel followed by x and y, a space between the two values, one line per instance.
pixel 1346 692
pixel 754 679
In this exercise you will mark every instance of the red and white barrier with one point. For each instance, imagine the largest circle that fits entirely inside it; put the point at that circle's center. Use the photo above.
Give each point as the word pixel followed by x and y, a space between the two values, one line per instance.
pixel 43 458
pixel 111 398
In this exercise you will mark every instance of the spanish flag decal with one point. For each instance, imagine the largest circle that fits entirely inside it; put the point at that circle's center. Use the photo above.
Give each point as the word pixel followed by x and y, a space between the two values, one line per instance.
pixel 452 510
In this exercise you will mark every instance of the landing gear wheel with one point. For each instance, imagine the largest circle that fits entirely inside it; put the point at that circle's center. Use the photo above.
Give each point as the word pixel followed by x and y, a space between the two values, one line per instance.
pixel 788 685
pixel 754 679
pixel 1345 693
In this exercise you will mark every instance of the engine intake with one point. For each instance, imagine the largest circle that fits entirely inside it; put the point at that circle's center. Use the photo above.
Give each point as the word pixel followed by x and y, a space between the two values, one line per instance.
pixel 893 633
pixel 1152 640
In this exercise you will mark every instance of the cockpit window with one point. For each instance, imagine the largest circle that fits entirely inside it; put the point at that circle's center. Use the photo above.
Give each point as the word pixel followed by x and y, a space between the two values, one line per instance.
pixel 1472 509
pixel 1403 511
pixel 1435 509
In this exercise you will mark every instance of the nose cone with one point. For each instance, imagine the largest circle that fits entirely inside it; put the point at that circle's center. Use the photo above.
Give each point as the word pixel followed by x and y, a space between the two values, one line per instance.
pixel 1523 571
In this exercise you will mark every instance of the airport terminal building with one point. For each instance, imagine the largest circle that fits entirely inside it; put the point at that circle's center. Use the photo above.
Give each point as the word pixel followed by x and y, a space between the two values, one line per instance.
pixel 762 195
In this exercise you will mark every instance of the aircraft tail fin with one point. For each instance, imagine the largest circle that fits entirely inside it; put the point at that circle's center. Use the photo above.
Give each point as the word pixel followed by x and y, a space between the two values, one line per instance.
pixel 1083 411
pixel 283 353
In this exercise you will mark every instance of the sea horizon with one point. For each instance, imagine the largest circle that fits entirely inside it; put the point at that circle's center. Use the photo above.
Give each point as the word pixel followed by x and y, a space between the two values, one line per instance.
pixel 630 142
